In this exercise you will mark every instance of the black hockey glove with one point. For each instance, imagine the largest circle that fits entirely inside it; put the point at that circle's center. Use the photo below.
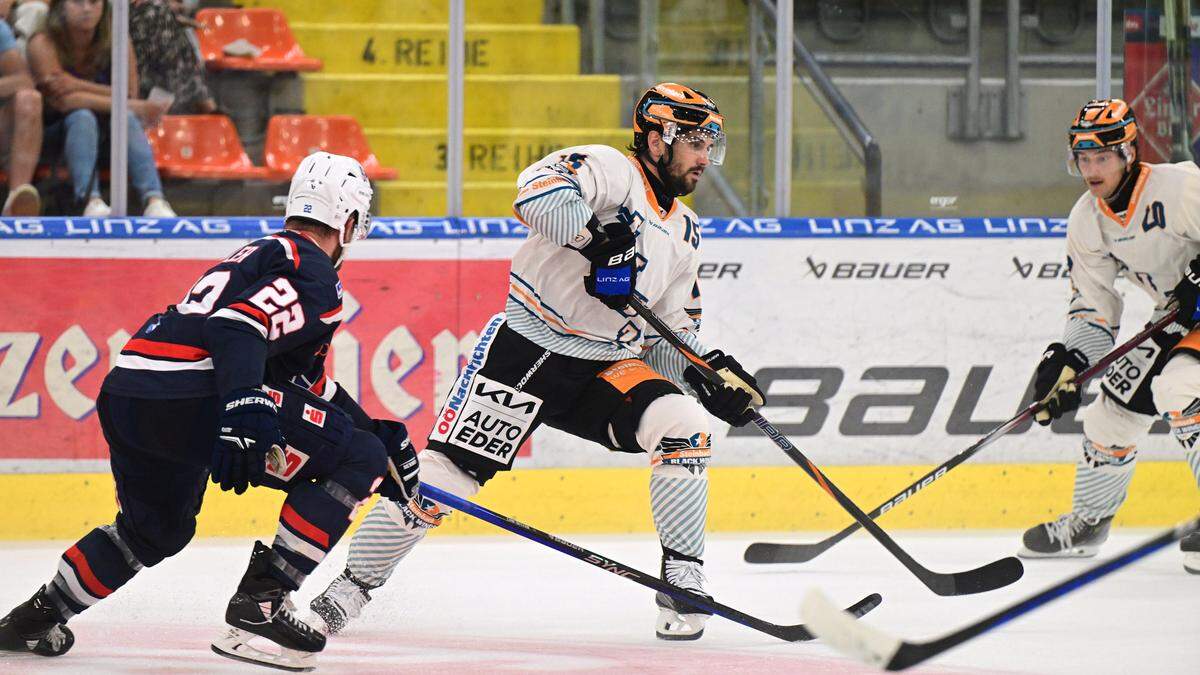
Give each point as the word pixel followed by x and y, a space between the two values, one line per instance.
pixel 402 484
pixel 1054 384
pixel 732 401
pixel 1187 295
pixel 613 255
pixel 247 431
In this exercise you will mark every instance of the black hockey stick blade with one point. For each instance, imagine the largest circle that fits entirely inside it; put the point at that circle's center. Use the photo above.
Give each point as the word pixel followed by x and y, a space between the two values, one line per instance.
pixel 768 553
pixel 989 577
pixel 789 633
pixel 762 553
pixel 877 648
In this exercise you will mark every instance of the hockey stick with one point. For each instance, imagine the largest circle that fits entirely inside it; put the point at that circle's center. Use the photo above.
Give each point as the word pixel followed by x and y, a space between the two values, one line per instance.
pixel 986 578
pixel 881 650
pixel 765 552
pixel 793 633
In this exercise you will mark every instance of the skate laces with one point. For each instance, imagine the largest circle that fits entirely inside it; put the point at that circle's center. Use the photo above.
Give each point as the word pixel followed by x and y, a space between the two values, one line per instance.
pixel 685 574
pixel 286 612
pixel 1066 528
pixel 56 638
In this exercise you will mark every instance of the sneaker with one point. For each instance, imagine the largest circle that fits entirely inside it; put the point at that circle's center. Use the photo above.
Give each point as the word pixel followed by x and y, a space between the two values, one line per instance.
pixel 96 208
pixel 35 626
pixel 1071 536
pixel 341 603
pixel 157 207
pixel 678 619
pixel 23 201
pixel 1190 545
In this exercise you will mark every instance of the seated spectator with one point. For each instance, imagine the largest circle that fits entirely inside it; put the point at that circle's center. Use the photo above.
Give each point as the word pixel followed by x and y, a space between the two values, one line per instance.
pixel 168 57
pixel 27 20
pixel 72 66
pixel 20 124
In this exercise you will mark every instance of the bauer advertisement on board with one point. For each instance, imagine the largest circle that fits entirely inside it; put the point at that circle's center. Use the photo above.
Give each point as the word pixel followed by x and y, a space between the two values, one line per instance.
pixel 873 350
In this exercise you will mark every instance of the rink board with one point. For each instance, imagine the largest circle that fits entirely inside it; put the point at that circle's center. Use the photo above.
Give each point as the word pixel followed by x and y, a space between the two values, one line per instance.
pixel 883 344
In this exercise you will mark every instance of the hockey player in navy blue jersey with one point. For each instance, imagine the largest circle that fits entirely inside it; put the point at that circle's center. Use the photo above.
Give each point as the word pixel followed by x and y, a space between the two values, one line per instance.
pixel 229 384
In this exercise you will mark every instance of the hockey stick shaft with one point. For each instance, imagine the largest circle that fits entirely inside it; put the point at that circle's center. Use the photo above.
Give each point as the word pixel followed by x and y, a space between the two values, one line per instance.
pixel 789 633
pixel 806 552
pixel 975 581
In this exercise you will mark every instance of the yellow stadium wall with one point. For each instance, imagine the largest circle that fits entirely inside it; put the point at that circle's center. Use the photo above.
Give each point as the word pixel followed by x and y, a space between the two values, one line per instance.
pixel 602 500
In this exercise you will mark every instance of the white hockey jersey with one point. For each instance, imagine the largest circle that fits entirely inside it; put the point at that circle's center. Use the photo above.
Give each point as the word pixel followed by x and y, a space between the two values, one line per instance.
pixel 1150 244
pixel 547 303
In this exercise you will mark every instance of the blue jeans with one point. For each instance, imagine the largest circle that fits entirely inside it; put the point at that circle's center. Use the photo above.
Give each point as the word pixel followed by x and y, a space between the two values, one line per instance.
pixel 82 146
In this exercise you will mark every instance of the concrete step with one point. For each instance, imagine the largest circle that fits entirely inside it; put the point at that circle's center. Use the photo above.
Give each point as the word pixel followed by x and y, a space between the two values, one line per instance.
pixel 419 101
pixel 501 154
pixel 428 198
pixel 402 11
pixel 493 49
pixel 491 154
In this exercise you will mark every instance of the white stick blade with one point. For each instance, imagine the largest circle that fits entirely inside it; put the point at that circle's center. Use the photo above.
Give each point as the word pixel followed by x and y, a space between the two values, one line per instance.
pixel 848 635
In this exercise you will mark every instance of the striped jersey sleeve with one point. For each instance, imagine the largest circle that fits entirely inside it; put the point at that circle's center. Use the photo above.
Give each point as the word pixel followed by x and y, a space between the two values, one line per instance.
pixel 558 195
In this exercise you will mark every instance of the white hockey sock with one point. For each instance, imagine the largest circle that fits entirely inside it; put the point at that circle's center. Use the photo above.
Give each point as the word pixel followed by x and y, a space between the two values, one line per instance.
pixel 1102 478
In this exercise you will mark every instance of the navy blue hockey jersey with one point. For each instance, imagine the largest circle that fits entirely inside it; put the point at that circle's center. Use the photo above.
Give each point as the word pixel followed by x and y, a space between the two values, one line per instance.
pixel 264 314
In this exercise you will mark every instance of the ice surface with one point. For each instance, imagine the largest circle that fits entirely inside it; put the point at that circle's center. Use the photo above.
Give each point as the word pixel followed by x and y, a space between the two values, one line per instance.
pixel 488 604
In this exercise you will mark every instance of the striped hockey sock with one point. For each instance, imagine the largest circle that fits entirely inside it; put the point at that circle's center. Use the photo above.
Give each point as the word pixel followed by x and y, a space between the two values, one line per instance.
pixel 313 519
pixel 679 502
pixel 91 570
pixel 380 544
pixel 1102 478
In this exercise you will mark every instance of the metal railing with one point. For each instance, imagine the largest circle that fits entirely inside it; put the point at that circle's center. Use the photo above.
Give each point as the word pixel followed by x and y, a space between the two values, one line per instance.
pixel 843 116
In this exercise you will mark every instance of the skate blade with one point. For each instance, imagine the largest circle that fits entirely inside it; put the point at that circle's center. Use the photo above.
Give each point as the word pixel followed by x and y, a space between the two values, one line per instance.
pixel 235 644
pixel 672 626
pixel 1073 552
pixel 1191 562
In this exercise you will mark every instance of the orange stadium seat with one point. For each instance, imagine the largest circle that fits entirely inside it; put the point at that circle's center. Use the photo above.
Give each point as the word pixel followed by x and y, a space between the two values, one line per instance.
pixel 264 29
pixel 291 137
pixel 201 146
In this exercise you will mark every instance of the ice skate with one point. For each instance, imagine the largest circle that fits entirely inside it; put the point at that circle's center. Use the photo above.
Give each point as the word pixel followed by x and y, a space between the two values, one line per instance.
pixel 341 603
pixel 262 607
pixel 678 620
pixel 1190 545
pixel 34 626
pixel 1071 536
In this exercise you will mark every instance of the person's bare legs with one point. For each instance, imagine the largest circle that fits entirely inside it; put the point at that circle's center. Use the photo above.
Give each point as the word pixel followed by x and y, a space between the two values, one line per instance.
pixel 23 115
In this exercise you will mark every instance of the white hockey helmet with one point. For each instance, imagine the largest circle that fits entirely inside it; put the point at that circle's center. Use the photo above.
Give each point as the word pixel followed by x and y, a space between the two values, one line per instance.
pixel 329 189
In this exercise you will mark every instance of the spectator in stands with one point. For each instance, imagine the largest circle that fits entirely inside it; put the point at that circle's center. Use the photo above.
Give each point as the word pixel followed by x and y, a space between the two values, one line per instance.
pixel 20 123
pixel 168 56
pixel 27 19
pixel 72 66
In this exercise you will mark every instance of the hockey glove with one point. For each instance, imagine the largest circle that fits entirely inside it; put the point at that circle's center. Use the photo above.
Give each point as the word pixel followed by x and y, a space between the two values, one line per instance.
pixel 1187 295
pixel 613 255
pixel 247 431
pixel 402 483
pixel 732 401
pixel 1054 385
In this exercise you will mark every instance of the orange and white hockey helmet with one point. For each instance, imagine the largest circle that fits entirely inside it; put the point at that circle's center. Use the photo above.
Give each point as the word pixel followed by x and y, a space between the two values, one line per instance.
pixel 678 111
pixel 1102 123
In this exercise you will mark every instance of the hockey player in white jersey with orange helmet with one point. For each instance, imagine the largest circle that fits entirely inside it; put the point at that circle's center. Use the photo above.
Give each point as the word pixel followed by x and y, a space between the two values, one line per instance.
pixel 1142 222
pixel 568 351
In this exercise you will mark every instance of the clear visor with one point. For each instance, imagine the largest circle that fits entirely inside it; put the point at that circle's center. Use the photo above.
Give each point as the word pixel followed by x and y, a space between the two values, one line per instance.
pixel 1121 153
pixel 702 141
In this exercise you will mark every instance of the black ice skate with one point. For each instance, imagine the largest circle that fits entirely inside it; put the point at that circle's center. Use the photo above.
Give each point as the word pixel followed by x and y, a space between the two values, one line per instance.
pixel 341 603
pixel 1071 536
pixel 679 620
pixel 35 626
pixel 262 607
pixel 1190 545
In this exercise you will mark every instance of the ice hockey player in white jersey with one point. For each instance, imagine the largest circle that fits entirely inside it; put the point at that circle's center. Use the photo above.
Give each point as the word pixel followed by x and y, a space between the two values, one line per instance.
pixel 1141 222
pixel 568 352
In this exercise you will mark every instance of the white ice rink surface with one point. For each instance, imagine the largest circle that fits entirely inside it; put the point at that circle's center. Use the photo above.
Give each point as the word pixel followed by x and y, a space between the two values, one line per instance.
pixel 502 604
